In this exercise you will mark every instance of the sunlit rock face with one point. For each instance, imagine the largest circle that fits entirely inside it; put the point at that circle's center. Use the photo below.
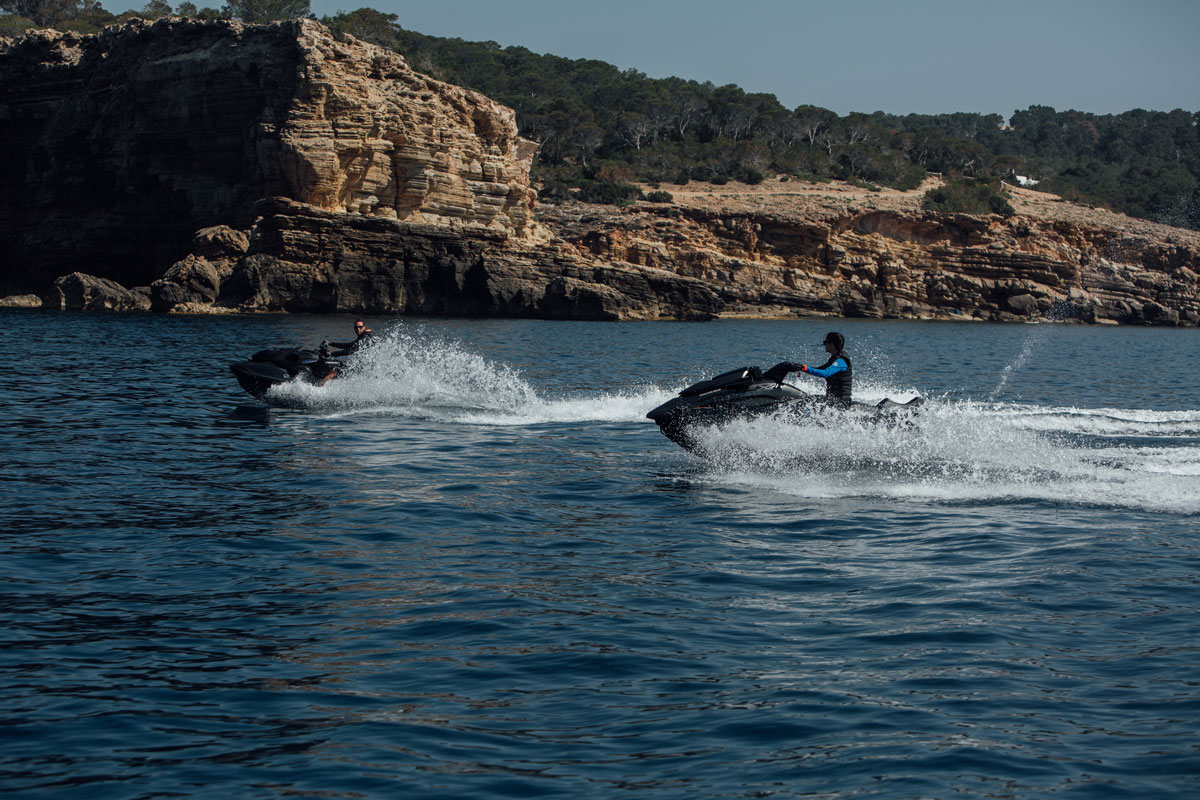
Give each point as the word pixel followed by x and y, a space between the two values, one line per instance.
pixel 364 134
pixel 902 264
pixel 116 148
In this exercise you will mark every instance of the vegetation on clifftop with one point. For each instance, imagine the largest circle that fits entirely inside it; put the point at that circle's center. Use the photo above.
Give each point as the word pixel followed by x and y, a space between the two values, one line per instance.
pixel 601 128
pixel 963 195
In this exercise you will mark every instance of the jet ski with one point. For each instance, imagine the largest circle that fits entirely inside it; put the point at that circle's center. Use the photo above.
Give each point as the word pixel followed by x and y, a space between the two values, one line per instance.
pixel 268 368
pixel 748 392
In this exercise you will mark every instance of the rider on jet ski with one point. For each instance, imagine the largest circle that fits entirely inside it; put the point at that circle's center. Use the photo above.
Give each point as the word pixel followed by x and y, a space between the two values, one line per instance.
pixel 363 336
pixel 837 371
pixel 749 393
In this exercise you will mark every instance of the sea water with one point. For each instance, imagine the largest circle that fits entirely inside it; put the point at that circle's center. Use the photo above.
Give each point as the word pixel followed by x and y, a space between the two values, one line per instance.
pixel 471 568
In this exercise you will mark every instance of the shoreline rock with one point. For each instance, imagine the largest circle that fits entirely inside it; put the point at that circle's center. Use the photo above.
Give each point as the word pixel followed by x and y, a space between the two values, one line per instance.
pixel 278 168
pixel 81 292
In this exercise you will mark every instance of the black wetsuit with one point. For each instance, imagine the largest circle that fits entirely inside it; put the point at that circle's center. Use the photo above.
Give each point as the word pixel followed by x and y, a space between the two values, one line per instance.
pixel 349 348
pixel 839 379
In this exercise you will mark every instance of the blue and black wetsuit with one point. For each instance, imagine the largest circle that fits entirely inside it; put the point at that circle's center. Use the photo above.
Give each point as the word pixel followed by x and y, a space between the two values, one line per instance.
pixel 839 378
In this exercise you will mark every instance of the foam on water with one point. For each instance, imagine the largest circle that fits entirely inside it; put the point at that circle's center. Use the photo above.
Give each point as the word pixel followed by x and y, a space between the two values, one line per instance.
pixel 408 372
pixel 955 451
pixel 1104 421
pixel 968 452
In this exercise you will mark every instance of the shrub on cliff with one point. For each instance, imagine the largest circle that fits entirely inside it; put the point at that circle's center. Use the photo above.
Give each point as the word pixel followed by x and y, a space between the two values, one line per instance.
pixel 660 197
pixel 12 25
pixel 561 186
pixel 965 196
pixel 65 15
pixel 43 13
pixel 607 193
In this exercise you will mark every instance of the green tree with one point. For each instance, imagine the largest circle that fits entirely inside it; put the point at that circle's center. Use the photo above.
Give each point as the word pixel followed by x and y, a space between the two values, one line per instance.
pixel 965 196
pixel 188 9
pixel 155 9
pixel 13 25
pixel 257 11
pixel 366 24
pixel 44 13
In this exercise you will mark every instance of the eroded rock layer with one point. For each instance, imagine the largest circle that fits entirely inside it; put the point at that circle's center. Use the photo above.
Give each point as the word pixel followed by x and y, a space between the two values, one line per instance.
pixel 214 165
pixel 902 264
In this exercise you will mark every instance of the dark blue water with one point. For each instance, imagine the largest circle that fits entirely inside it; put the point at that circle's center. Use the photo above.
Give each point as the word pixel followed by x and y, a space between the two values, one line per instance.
pixel 472 569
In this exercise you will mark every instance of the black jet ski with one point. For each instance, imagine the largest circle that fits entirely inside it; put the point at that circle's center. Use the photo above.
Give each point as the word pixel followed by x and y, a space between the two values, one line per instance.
pixel 268 368
pixel 748 392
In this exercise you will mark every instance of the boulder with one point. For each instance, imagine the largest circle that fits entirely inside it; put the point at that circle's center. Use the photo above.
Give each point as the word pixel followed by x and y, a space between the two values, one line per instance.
pixel 1023 304
pixel 192 280
pixel 1156 314
pixel 21 301
pixel 220 245
pixel 80 292
pixel 569 298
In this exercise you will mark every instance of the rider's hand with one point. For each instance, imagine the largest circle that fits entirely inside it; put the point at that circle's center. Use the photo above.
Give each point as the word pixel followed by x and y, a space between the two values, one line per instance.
pixel 804 368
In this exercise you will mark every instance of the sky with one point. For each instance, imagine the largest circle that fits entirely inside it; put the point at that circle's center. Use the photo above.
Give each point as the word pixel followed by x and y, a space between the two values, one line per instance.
pixel 897 56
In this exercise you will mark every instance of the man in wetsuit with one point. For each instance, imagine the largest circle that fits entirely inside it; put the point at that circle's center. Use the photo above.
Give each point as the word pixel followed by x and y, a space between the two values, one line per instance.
pixel 362 336
pixel 837 371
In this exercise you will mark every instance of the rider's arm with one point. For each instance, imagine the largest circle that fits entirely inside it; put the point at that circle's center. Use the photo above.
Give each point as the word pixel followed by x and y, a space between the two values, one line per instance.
pixel 837 366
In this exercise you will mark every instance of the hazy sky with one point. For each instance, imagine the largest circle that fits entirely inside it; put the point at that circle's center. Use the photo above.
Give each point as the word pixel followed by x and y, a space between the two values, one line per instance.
pixel 899 56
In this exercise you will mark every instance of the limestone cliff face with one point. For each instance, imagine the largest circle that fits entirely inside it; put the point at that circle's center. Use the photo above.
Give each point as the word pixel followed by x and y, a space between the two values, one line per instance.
pixel 214 165
pixel 116 148
pixel 305 259
pixel 364 134
pixel 901 264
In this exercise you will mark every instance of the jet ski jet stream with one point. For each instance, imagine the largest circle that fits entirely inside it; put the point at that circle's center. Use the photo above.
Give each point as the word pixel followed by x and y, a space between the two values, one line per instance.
pixel 748 392
pixel 269 368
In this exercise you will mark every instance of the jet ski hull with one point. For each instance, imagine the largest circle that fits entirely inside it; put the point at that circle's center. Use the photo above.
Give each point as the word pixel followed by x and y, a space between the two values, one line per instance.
pixel 680 417
pixel 269 368
pixel 745 393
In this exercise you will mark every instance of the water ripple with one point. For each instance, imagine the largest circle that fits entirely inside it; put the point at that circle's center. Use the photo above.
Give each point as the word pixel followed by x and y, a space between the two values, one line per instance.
pixel 387 592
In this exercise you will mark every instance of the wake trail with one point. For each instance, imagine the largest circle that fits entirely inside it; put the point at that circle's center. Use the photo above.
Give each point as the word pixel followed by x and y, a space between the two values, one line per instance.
pixel 955 451
pixel 977 452
pixel 407 372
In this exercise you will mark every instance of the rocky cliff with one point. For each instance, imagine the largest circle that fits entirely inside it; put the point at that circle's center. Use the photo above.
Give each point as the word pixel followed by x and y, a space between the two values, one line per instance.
pixel 767 252
pixel 116 148
pixel 216 165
